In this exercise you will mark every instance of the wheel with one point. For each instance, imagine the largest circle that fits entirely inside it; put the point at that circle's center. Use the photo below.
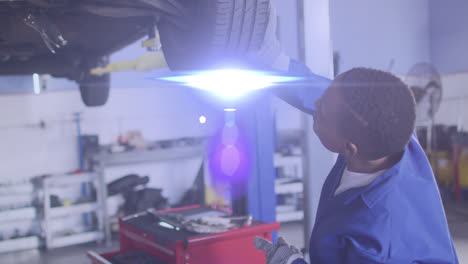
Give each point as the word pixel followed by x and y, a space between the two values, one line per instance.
pixel 214 33
pixel 94 89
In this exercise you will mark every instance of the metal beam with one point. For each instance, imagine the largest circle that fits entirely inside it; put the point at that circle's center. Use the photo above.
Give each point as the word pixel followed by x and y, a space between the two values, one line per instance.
pixel 319 58
pixel 258 122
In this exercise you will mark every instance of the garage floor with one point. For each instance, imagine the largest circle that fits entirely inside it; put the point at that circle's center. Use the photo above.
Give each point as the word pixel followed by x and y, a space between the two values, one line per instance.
pixel 457 215
pixel 68 255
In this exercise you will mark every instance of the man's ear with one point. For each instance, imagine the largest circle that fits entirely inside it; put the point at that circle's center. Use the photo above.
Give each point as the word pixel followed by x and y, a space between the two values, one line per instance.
pixel 350 149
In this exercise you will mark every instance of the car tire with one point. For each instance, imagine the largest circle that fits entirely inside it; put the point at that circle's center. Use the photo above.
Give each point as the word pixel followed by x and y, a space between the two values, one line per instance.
pixel 215 33
pixel 94 89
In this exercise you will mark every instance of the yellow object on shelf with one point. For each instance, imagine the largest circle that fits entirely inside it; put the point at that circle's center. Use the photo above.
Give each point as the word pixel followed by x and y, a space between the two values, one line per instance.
pixel 66 202
pixel 463 168
pixel 445 172
pixel 212 197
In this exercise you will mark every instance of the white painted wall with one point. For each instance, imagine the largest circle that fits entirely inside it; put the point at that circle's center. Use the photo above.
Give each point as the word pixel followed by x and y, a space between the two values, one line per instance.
pixel 160 113
pixel 449 42
pixel 372 33
pixel 449 35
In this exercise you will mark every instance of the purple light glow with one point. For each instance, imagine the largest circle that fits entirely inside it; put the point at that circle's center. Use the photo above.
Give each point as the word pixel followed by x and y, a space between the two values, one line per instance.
pixel 229 158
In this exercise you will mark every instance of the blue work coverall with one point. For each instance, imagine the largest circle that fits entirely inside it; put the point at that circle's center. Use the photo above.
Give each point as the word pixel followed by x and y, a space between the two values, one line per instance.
pixel 398 218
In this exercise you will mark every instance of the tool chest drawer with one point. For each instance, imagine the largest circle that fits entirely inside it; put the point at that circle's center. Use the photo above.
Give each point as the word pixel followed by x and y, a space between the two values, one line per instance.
pixel 146 241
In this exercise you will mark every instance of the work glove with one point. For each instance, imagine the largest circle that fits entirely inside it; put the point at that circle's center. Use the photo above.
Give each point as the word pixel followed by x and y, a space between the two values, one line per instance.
pixel 281 253
pixel 270 54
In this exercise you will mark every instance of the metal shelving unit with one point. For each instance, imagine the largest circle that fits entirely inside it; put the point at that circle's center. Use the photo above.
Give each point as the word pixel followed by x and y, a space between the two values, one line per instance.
pixel 53 215
pixel 76 209
pixel 18 244
pixel 284 186
pixel 19 216
pixel 103 160
pixel 290 216
pixel 76 239
pixel 146 156
pixel 26 213
pixel 290 185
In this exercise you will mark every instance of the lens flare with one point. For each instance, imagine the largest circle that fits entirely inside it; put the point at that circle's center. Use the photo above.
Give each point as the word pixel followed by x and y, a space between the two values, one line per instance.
pixel 230 160
pixel 229 83
pixel 228 156
pixel 202 119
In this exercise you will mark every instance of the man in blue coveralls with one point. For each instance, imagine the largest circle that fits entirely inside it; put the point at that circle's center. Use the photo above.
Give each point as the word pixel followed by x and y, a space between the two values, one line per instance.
pixel 380 203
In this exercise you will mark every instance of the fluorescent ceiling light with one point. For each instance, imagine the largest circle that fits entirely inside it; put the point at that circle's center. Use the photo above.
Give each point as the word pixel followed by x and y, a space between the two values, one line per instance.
pixel 36 83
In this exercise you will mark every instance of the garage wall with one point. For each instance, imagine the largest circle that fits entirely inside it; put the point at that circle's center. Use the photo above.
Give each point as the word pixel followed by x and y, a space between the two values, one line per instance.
pixel 161 113
pixel 135 103
pixel 449 35
pixel 374 33
pixel 365 33
pixel 454 107
pixel 449 42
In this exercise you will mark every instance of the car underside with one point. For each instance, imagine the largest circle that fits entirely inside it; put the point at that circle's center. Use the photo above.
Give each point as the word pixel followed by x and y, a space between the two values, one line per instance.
pixel 67 38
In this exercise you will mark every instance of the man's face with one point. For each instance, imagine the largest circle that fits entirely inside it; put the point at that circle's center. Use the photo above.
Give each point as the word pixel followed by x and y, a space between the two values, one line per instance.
pixel 326 119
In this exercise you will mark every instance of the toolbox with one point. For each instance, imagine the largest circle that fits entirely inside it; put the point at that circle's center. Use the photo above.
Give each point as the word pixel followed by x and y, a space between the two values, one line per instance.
pixel 144 240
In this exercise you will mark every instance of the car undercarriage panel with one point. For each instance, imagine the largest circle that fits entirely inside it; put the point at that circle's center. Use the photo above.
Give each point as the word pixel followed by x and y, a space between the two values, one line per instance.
pixel 88 36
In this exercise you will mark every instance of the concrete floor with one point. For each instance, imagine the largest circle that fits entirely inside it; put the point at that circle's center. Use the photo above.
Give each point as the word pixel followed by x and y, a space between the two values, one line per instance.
pixel 67 255
pixel 457 215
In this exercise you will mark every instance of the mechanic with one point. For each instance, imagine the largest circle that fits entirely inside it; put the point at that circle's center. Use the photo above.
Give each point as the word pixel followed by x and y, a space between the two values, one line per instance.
pixel 380 203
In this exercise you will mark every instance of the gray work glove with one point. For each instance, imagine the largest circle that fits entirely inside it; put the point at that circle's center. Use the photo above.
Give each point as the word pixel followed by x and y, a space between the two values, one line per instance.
pixel 281 253
pixel 270 54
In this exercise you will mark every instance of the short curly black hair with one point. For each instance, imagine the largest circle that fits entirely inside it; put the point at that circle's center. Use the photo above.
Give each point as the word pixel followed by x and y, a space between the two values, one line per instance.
pixel 379 112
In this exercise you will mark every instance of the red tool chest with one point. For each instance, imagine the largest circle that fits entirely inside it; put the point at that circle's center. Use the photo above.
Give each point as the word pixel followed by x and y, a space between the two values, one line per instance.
pixel 137 233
